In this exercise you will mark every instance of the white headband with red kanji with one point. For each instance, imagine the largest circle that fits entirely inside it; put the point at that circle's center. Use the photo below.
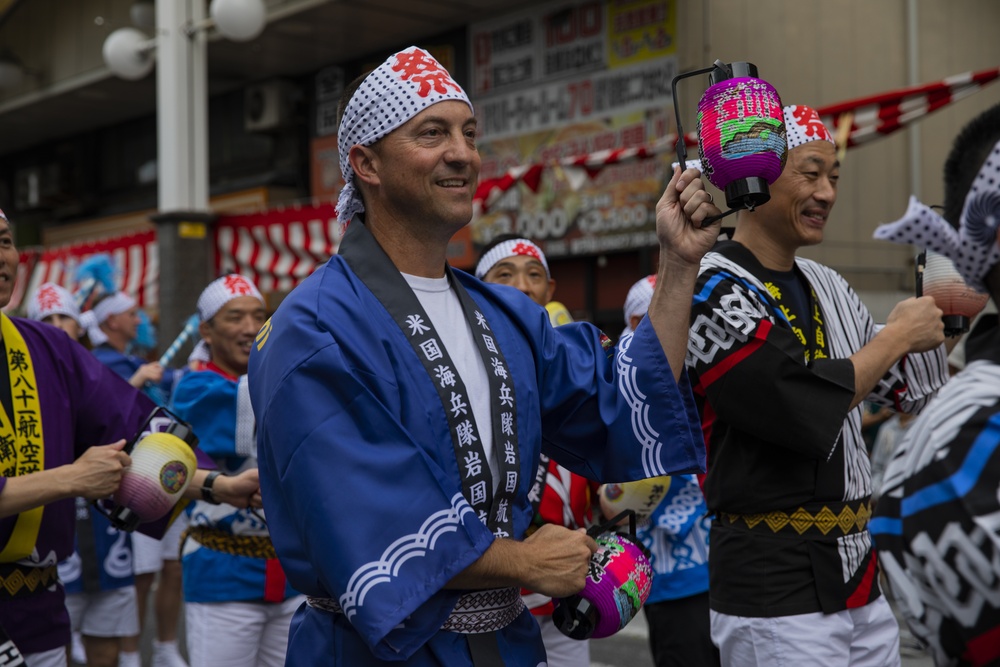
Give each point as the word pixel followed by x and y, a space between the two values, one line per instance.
pixel 802 125
pixel 397 90
pixel 51 299
pixel 223 290
pixel 510 248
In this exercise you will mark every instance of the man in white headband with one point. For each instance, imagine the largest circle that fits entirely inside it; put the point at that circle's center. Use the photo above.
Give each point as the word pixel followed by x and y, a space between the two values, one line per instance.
pixel 782 354
pixel 937 513
pixel 518 262
pixel 73 417
pixel 111 325
pixel 637 302
pixel 563 498
pixel 237 602
pixel 53 304
pixel 425 395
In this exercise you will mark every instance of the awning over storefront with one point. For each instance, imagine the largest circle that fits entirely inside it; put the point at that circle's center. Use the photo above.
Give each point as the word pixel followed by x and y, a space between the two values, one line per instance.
pixel 135 256
pixel 277 248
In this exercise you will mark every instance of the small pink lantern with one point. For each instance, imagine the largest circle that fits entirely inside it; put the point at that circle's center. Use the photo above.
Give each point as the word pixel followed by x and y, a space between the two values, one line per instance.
pixel 960 303
pixel 617 585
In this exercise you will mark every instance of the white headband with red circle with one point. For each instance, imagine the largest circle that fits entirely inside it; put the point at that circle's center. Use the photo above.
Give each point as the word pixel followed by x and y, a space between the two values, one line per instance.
pixel 510 248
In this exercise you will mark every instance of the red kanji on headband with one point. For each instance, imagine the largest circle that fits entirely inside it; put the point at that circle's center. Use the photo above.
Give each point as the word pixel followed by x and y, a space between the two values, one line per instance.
pixel 802 125
pixel 48 298
pixel 417 67
pixel 236 284
pixel 525 249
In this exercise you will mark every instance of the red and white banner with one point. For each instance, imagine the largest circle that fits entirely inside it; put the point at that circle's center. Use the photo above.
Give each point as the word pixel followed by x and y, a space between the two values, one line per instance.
pixel 881 115
pixel 871 117
pixel 277 248
pixel 134 256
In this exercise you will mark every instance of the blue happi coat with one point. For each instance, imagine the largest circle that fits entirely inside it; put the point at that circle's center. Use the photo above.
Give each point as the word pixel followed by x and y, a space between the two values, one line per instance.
pixel 218 408
pixel 358 473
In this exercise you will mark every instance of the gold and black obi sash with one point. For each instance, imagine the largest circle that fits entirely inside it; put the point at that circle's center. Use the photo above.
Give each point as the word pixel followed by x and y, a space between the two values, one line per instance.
pixel 254 546
pixel 19 581
pixel 816 521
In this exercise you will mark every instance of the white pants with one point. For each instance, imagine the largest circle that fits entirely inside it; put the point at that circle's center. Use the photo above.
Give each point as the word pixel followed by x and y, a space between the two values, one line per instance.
pixel 239 634
pixel 148 553
pixel 113 613
pixel 52 658
pixel 863 637
pixel 562 651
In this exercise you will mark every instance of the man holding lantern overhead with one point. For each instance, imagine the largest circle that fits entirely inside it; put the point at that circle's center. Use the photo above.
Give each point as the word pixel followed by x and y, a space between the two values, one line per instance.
pixel 58 404
pixel 428 395
pixel 781 355
pixel 937 524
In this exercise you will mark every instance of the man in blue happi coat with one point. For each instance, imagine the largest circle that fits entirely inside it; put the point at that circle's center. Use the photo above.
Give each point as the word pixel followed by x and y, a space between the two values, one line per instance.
pixel 402 406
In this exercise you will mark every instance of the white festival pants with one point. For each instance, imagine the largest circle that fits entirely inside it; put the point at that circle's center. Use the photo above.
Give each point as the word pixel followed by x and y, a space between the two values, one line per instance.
pixel 862 637
pixel 239 634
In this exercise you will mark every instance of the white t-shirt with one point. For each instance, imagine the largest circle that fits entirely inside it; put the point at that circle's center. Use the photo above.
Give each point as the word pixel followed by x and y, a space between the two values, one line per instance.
pixel 445 312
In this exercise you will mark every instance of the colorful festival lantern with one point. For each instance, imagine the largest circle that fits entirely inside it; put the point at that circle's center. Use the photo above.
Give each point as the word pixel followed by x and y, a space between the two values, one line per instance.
pixel 617 585
pixel 741 134
pixel 163 464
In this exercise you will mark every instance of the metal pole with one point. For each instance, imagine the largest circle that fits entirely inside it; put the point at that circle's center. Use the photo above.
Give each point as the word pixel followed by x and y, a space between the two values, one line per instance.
pixel 913 79
pixel 182 107
pixel 182 147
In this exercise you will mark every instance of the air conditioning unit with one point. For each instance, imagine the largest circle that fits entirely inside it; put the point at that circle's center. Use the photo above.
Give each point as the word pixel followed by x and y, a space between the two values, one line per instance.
pixel 268 106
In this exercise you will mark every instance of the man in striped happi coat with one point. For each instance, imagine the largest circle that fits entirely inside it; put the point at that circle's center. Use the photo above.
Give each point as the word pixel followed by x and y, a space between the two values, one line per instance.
pixel 938 521
pixel 781 355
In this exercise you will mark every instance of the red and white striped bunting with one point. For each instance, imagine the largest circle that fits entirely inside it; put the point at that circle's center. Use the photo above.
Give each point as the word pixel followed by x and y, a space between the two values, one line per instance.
pixel 881 115
pixel 134 256
pixel 278 248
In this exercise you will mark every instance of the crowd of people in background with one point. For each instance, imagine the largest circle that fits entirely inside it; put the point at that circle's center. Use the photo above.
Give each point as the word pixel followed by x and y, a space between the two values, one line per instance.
pixel 394 408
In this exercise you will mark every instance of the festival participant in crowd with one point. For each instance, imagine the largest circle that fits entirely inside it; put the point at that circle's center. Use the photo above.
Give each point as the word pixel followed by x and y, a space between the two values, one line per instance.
pixel 402 405
pixel 100 586
pixel 237 602
pixel 677 538
pixel 112 326
pixel 557 496
pixel 72 418
pixel 782 353
pixel 936 525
